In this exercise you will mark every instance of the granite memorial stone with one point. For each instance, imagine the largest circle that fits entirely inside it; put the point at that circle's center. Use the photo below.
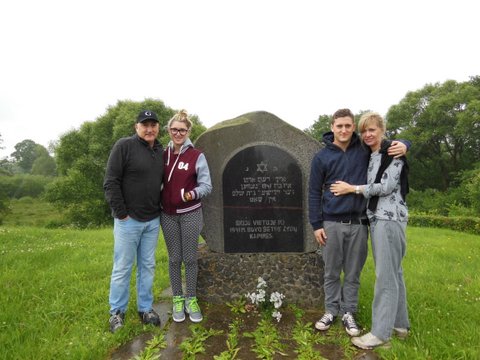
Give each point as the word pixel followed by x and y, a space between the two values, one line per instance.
pixel 256 218
pixel 277 188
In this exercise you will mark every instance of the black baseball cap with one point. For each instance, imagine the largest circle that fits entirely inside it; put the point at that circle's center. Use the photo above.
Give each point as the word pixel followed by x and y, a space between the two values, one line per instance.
pixel 145 115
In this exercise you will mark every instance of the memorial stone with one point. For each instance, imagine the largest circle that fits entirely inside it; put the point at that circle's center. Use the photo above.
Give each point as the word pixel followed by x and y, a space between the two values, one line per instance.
pixel 235 150
pixel 256 218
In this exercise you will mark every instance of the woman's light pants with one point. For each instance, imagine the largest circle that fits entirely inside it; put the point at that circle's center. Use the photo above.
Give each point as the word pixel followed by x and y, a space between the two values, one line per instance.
pixel 389 307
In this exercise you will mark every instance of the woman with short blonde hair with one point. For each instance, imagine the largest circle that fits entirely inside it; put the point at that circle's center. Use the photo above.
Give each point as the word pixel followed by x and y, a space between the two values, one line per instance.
pixel 386 190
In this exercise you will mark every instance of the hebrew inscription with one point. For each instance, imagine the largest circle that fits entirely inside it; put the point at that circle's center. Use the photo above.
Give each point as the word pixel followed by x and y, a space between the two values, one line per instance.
pixel 262 193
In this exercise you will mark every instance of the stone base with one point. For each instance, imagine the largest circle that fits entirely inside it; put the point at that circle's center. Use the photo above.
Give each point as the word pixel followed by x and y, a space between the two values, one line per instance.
pixel 225 277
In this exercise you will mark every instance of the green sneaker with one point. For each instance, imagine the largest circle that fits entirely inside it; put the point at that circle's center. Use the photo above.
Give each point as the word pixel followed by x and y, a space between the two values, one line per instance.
pixel 192 309
pixel 178 313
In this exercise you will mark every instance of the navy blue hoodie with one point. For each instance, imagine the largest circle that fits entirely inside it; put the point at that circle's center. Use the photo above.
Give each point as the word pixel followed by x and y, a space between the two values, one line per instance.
pixel 329 165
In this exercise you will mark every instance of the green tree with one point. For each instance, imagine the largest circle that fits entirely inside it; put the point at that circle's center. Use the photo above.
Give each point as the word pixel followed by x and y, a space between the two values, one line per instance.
pixel 44 165
pixel 443 123
pixel 467 193
pixel 27 152
pixel 4 201
pixel 5 168
pixel 8 167
pixel 70 146
pixel 82 155
pixel 319 127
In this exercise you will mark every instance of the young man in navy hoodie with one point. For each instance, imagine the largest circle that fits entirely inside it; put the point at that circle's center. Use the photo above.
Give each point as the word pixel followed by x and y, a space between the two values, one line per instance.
pixel 340 223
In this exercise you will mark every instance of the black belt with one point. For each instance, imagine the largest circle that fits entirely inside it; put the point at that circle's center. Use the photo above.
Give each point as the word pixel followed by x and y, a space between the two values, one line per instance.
pixel 354 221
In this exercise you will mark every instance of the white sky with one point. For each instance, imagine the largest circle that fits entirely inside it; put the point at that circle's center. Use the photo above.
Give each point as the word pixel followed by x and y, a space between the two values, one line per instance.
pixel 63 62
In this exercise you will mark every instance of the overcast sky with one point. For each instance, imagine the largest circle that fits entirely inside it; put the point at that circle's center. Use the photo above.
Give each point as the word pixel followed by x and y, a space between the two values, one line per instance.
pixel 64 62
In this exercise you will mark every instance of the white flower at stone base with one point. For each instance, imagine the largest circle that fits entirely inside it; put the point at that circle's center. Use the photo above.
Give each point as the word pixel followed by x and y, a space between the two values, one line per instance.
pixel 276 315
pixel 259 298
pixel 261 283
pixel 276 299
pixel 252 297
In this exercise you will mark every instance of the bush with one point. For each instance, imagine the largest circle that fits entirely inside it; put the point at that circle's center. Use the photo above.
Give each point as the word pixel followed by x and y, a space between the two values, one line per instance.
pixel 80 198
pixel 4 204
pixel 454 202
pixel 22 185
pixel 430 201
pixel 459 223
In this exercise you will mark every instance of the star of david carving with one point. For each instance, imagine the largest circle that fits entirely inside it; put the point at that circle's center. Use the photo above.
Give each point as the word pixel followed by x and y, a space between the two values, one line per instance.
pixel 262 167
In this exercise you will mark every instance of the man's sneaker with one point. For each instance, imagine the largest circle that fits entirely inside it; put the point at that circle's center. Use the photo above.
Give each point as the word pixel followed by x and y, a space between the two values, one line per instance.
pixel 149 317
pixel 192 309
pixel 401 333
pixel 116 321
pixel 350 325
pixel 178 313
pixel 369 341
pixel 325 322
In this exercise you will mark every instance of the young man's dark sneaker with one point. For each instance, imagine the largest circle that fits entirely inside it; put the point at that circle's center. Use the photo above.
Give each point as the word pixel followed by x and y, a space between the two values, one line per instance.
pixel 116 321
pixel 149 317
pixel 350 324
pixel 325 322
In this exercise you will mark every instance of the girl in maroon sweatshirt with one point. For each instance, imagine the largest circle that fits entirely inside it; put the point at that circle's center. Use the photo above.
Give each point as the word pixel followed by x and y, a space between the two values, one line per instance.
pixel 186 180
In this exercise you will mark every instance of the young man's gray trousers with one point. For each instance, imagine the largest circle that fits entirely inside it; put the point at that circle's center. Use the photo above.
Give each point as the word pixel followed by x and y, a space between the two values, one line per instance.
pixel 389 308
pixel 346 250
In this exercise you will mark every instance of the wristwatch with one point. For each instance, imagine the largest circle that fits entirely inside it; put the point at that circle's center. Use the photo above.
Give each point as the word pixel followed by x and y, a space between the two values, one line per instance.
pixel 357 189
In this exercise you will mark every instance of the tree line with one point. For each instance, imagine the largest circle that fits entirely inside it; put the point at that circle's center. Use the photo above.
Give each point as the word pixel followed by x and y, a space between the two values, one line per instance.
pixel 442 121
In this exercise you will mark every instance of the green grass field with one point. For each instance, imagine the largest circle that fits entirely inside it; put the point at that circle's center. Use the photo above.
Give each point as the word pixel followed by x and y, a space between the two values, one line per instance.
pixel 29 211
pixel 54 301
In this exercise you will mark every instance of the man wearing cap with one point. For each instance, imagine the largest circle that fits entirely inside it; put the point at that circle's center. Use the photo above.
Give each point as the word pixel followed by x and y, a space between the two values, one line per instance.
pixel 132 186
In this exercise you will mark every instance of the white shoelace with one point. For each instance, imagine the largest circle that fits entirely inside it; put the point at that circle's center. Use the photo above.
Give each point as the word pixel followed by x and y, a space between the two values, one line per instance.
pixel 351 321
pixel 326 318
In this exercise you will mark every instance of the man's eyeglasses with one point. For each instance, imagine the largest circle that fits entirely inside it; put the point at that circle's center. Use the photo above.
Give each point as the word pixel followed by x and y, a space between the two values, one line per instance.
pixel 176 131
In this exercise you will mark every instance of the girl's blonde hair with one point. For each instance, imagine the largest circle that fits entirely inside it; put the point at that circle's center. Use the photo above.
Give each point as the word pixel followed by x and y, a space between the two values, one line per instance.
pixel 181 116
pixel 371 118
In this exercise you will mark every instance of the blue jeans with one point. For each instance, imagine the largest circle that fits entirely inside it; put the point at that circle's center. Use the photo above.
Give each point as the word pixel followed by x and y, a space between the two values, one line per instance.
pixel 133 239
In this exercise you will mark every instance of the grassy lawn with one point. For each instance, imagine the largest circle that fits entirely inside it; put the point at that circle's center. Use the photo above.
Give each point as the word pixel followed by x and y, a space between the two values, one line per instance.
pixel 54 303
pixel 29 211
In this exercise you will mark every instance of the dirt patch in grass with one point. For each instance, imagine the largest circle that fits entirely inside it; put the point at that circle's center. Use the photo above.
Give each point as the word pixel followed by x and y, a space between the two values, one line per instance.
pixel 334 344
